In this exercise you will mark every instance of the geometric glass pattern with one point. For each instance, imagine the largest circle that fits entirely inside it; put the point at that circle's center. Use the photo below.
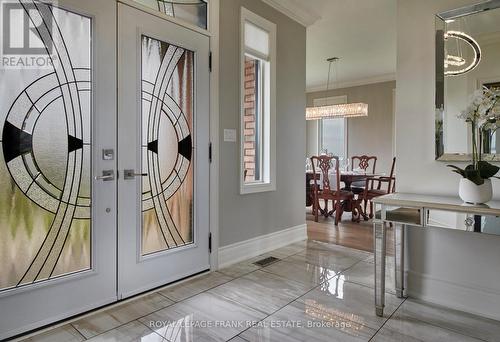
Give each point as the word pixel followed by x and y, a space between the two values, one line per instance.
pixel 45 155
pixel 167 145
pixel 192 11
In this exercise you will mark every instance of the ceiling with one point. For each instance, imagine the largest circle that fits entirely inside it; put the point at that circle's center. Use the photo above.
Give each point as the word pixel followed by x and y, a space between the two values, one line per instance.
pixel 361 32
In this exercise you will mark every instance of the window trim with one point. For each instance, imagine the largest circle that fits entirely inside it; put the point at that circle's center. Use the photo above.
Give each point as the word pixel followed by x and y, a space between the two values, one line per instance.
pixel 268 124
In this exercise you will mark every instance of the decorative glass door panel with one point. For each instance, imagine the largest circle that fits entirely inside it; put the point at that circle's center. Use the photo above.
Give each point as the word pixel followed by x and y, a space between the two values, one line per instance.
pixel 192 11
pixel 57 114
pixel 163 139
pixel 167 123
pixel 45 120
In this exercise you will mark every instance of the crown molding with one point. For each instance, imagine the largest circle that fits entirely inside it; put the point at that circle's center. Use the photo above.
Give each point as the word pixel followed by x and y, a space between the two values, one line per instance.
pixel 295 9
pixel 355 83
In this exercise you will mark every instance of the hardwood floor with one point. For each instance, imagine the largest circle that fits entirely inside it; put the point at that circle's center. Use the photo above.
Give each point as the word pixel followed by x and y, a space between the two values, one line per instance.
pixel 347 233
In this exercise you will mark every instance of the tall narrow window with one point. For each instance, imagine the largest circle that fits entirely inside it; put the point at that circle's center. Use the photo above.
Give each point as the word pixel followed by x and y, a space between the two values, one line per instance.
pixel 332 132
pixel 333 137
pixel 258 55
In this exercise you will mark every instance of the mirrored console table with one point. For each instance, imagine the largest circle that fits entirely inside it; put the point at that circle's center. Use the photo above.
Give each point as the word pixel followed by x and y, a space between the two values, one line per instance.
pixel 400 210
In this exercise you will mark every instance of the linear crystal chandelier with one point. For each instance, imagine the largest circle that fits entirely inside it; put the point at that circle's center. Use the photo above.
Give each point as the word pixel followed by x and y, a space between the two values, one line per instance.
pixel 344 110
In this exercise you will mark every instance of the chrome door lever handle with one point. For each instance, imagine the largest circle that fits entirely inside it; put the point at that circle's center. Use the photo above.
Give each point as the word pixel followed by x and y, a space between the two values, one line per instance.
pixel 107 175
pixel 131 174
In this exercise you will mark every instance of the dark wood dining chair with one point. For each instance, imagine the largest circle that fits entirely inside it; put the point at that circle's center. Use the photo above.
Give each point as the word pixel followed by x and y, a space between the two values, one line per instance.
pixel 365 163
pixel 322 164
pixel 379 186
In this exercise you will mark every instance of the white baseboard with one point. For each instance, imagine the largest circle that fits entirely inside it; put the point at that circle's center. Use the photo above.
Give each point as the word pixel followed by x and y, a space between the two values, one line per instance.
pixel 463 297
pixel 247 249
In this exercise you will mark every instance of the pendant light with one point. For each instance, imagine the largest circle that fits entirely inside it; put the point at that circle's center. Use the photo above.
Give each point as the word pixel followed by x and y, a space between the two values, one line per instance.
pixel 344 110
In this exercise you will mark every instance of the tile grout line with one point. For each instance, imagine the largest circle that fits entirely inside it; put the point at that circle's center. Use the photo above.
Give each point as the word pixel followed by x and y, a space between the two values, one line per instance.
pixel 71 323
pixel 238 277
pixel 122 324
pixel 163 338
pixel 174 301
pixel 155 311
pixel 445 328
pixel 387 320
pixel 425 322
pixel 78 331
pixel 294 300
pixel 184 299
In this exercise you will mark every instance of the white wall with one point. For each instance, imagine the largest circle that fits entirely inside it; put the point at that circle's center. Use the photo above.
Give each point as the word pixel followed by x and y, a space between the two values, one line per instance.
pixel 312 138
pixel 456 269
pixel 243 217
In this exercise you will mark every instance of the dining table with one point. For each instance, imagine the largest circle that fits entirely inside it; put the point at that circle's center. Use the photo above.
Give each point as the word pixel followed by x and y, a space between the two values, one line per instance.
pixel 348 178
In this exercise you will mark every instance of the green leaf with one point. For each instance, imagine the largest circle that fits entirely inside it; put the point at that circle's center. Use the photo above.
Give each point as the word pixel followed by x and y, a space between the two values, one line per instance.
pixel 474 176
pixel 458 170
pixel 487 170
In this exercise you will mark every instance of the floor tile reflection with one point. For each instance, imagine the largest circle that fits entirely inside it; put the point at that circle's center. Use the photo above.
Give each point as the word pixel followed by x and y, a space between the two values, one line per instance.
pixel 262 291
pixel 307 274
pixel 317 292
pixel 363 273
pixel 332 260
pixel 204 317
pixel 303 322
pixel 349 301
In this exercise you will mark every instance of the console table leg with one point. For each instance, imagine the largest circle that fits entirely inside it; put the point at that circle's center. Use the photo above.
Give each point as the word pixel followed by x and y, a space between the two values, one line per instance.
pixel 379 251
pixel 399 262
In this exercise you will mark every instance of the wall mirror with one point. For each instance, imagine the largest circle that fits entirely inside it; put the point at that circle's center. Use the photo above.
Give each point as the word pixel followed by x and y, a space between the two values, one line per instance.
pixel 467 58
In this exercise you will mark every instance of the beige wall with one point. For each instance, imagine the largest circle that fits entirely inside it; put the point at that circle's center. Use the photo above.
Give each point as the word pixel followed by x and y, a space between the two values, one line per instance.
pixel 372 135
pixel 247 216
pixel 455 269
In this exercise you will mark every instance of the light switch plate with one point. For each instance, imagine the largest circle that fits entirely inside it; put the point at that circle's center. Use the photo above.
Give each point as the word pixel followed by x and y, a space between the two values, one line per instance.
pixel 230 135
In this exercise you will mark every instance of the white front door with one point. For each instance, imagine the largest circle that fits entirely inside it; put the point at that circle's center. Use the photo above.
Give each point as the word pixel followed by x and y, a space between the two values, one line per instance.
pixel 57 115
pixel 77 230
pixel 163 146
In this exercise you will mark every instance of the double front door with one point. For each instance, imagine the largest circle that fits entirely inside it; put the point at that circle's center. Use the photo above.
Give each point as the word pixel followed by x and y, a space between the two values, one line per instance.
pixel 104 170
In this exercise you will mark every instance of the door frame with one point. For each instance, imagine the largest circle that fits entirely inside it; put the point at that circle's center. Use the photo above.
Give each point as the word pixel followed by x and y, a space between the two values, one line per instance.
pixel 213 34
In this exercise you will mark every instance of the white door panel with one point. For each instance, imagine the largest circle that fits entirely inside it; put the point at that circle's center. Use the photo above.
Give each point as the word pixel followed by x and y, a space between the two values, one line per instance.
pixel 57 251
pixel 72 240
pixel 163 134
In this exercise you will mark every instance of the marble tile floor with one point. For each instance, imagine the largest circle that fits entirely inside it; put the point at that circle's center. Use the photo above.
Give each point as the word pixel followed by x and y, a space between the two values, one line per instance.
pixel 317 292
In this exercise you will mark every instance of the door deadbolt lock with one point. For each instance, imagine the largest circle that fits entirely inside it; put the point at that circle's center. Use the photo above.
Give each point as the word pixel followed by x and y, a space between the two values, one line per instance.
pixel 108 154
pixel 131 174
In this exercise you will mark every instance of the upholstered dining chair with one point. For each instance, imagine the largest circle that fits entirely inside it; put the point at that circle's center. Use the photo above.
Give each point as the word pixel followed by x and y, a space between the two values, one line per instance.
pixel 379 186
pixel 365 163
pixel 322 164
